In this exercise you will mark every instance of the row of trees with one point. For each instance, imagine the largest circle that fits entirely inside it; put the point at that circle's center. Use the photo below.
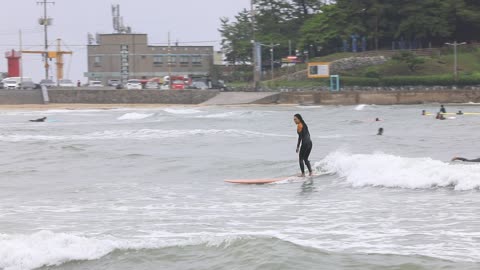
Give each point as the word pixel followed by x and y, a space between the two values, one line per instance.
pixel 321 27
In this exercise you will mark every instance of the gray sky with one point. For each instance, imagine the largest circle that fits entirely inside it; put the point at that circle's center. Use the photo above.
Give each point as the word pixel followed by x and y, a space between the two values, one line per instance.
pixel 187 20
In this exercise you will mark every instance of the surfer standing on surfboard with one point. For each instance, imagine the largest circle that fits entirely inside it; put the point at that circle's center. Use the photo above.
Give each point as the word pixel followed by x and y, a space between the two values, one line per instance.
pixel 306 144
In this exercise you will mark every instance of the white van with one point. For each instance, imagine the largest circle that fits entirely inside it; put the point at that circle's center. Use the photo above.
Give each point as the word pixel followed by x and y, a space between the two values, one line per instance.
pixel 14 82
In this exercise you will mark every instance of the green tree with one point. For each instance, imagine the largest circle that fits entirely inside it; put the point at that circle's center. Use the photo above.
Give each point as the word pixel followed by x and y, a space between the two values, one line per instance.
pixel 463 17
pixel 413 62
pixel 236 38
pixel 422 21
pixel 304 8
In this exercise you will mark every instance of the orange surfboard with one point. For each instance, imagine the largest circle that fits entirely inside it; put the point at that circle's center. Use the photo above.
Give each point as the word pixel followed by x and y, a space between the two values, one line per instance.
pixel 256 181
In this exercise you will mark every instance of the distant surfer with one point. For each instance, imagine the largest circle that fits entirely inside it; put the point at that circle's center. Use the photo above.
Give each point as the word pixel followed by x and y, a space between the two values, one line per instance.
pixel 377 119
pixel 465 160
pixel 380 132
pixel 442 109
pixel 39 119
pixel 305 142
pixel 460 112
pixel 440 116
pixel 424 112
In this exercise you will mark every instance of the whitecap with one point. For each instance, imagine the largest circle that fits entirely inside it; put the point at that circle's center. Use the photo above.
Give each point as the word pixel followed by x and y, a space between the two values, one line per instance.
pixel 383 170
pixel 135 116
pixel 360 107
pixel 181 111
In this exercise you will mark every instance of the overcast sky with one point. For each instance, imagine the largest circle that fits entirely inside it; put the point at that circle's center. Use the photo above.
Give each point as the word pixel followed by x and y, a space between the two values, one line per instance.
pixel 187 20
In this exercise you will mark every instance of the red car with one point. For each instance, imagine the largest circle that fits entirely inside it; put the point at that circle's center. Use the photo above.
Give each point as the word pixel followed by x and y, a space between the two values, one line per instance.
pixel 178 85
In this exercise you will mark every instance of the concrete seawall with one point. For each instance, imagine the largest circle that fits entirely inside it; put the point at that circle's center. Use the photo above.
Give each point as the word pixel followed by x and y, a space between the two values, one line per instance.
pixel 211 97
pixel 14 97
pixel 130 96
pixel 380 97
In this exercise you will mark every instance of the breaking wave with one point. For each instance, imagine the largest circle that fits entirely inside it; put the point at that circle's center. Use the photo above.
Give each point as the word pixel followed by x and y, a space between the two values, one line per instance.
pixel 383 170
pixel 135 116
pixel 181 111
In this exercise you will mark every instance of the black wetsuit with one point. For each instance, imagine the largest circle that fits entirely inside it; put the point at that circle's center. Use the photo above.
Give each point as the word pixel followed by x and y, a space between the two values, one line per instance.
pixel 39 120
pixel 468 160
pixel 306 148
pixel 443 110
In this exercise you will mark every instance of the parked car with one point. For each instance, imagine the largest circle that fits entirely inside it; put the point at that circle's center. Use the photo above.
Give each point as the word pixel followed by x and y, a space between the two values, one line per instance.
pixel 113 82
pixel 152 85
pixel 48 83
pixel 134 85
pixel 28 85
pixel 165 86
pixel 198 85
pixel 66 83
pixel 10 84
pixel 15 82
pixel 178 85
pixel 220 85
pixel 95 84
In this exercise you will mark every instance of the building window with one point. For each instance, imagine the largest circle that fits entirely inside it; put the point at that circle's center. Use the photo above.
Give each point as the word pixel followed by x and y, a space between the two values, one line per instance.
pixel 197 60
pixel 158 60
pixel 184 60
pixel 97 61
pixel 172 60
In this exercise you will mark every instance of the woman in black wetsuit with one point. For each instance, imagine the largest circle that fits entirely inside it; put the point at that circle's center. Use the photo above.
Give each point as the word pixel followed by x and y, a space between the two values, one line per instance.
pixel 306 144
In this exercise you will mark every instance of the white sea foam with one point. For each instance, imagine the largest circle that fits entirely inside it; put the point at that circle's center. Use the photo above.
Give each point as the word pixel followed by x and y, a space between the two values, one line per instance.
pixel 360 107
pixel 384 170
pixel 309 107
pixel 221 115
pixel 141 134
pixel 181 111
pixel 46 248
pixel 23 252
pixel 135 116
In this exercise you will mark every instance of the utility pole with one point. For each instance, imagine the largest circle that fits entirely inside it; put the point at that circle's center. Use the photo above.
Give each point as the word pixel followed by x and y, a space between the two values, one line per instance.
pixel 271 59
pixel 169 64
pixel 46 22
pixel 289 47
pixel 455 62
pixel 21 60
pixel 255 49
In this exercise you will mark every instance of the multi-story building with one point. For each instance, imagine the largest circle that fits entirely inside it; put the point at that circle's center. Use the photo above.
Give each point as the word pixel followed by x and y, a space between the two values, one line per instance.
pixel 128 56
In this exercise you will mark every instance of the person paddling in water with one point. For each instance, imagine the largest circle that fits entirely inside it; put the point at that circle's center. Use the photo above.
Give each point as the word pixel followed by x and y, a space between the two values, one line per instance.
pixel 465 160
pixel 305 142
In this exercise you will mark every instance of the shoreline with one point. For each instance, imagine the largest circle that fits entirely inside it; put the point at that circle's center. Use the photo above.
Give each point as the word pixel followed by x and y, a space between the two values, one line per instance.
pixel 79 106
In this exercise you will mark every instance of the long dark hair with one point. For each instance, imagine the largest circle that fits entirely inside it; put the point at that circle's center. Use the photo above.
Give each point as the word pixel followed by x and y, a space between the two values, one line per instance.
pixel 299 117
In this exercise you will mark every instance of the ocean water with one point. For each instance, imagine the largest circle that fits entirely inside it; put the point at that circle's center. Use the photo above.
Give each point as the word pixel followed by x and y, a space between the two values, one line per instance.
pixel 144 189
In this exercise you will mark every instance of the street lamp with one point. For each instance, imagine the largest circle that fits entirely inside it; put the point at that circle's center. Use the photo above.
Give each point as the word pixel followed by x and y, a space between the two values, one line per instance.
pixel 271 46
pixel 455 64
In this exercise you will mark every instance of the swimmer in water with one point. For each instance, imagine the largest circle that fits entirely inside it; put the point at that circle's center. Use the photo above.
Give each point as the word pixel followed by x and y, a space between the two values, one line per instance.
pixel 460 112
pixel 380 132
pixel 304 144
pixel 465 160
pixel 39 119
pixel 440 116
pixel 442 109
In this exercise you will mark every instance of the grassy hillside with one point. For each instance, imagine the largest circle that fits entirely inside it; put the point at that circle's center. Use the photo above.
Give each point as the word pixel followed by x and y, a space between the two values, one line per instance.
pixel 468 63
pixel 436 70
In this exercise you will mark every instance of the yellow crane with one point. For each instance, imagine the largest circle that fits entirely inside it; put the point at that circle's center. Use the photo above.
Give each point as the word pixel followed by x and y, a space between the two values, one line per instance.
pixel 58 55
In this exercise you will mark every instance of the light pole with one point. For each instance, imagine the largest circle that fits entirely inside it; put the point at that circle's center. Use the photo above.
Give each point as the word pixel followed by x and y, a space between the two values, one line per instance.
pixel 271 46
pixel 455 64
pixel 255 56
